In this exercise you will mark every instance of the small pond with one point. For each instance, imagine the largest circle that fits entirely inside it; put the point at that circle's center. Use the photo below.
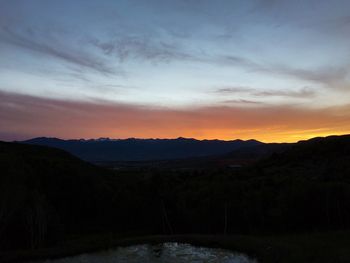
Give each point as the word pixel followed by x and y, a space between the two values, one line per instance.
pixel 162 253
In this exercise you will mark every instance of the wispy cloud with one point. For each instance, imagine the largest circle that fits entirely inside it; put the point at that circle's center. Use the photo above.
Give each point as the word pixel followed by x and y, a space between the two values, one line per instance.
pixel 28 40
pixel 143 47
pixel 140 47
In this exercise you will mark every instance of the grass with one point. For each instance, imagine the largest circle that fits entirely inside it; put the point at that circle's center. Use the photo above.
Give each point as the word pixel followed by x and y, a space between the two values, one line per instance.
pixel 330 247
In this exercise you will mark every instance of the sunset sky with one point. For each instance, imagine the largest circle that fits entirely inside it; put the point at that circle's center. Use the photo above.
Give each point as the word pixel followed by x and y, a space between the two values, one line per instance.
pixel 275 71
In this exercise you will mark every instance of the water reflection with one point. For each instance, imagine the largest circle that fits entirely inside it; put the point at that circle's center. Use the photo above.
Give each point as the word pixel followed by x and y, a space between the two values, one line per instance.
pixel 161 253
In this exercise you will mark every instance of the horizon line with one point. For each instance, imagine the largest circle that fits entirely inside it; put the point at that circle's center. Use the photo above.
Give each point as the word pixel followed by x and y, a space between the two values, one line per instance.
pixel 157 138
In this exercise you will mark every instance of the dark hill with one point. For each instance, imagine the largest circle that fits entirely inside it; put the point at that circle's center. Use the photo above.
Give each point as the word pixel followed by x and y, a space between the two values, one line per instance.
pixel 323 158
pixel 107 150
pixel 259 151
pixel 43 192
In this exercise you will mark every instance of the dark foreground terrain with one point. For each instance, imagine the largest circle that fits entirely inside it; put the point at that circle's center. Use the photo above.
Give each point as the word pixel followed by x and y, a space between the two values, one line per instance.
pixel 293 206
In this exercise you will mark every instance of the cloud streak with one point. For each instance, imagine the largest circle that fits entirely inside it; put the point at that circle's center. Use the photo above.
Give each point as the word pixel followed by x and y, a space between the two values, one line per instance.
pixel 232 90
pixel 328 76
pixel 242 102
pixel 301 93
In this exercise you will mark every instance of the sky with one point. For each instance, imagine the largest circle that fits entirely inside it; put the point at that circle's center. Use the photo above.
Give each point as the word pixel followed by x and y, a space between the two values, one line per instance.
pixel 272 70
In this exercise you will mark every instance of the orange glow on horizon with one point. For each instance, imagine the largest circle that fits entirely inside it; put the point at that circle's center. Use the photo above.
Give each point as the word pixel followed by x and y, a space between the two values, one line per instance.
pixel 23 117
pixel 278 137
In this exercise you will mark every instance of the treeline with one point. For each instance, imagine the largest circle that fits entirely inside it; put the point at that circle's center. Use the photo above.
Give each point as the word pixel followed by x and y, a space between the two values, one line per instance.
pixel 48 195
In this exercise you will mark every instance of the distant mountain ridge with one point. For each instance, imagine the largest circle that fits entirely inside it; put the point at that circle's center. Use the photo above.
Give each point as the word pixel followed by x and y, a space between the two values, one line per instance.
pixel 132 149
